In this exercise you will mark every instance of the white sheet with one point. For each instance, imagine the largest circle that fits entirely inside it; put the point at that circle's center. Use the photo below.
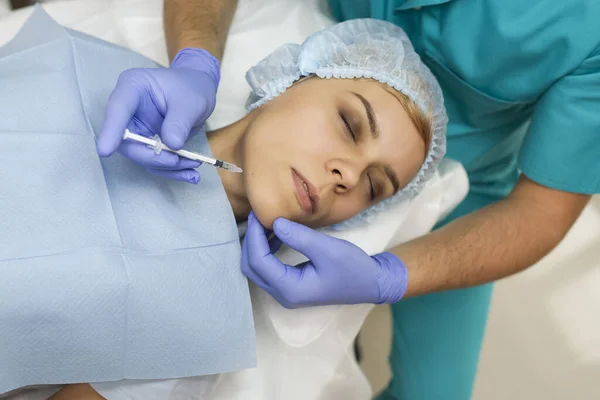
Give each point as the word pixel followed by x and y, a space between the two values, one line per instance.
pixel 302 354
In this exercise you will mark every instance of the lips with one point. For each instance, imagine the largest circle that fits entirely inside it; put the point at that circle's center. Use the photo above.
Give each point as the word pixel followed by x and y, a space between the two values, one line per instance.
pixel 306 194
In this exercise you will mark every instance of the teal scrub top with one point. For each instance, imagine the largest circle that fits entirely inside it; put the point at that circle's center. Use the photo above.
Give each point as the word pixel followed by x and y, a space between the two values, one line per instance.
pixel 521 84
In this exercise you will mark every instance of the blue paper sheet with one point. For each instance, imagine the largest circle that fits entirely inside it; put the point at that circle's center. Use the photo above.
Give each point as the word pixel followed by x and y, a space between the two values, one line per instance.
pixel 106 272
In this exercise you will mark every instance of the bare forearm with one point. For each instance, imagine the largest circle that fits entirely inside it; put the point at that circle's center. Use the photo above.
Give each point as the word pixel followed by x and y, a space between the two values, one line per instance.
pixel 198 23
pixel 493 242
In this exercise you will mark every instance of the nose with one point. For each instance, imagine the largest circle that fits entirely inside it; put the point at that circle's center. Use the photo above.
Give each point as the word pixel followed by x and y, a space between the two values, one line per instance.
pixel 345 175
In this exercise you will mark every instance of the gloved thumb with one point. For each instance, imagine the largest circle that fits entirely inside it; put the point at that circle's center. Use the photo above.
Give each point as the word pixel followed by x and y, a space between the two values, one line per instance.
pixel 177 125
pixel 121 107
pixel 301 238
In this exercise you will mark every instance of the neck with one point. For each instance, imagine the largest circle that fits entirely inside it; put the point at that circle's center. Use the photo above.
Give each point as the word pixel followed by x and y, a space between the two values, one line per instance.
pixel 227 144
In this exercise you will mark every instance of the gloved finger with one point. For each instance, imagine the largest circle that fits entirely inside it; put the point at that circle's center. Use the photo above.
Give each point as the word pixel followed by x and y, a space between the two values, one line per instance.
pixel 275 244
pixel 182 175
pixel 122 104
pixel 145 156
pixel 303 239
pixel 182 163
pixel 260 258
pixel 178 123
pixel 149 126
pixel 249 272
pixel 254 277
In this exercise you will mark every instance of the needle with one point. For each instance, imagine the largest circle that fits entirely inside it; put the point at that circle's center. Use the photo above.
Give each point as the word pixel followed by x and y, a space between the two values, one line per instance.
pixel 156 143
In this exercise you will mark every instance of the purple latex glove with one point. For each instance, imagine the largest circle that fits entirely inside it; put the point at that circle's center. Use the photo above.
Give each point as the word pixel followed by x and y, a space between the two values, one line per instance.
pixel 338 271
pixel 170 102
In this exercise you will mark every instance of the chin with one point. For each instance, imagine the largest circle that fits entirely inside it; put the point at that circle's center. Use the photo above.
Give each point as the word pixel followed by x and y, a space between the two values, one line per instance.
pixel 266 208
pixel 265 217
pixel 269 202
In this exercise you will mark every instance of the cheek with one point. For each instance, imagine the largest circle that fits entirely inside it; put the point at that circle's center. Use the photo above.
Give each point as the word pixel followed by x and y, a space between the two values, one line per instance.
pixel 266 198
pixel 290 128
pixel 407 164
pixel 263 189
pixel 404 154
pixel 343 208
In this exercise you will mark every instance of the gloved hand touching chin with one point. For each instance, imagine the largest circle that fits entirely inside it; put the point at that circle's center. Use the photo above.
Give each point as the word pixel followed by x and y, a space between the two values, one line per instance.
pixel 338 271
pixel 170 102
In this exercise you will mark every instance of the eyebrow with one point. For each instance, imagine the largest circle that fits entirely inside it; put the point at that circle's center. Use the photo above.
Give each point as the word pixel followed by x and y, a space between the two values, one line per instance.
pixel 375 132
pixel 370 115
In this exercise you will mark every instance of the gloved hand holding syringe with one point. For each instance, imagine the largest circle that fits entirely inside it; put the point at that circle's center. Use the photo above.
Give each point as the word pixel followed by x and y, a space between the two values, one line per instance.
pixel 156 143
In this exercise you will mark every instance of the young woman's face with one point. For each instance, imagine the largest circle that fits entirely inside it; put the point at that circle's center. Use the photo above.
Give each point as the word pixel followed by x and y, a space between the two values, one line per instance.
pixel 326 149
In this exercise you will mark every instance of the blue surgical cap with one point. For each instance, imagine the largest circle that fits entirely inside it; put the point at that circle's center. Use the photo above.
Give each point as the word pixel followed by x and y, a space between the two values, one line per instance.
pixel 360 48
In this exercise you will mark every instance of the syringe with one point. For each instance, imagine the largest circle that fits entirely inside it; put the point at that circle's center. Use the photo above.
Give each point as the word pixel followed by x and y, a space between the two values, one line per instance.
pixel 156 143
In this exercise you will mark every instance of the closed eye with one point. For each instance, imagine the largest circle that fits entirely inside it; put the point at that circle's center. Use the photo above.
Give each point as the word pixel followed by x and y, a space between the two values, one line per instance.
pixel 348 127
pixel 371 188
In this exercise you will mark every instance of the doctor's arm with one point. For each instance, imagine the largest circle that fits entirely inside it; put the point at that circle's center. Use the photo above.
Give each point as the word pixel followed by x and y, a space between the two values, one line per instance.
pixel 493 242
pixel 560 151
pixel 559 157
pixel 198 24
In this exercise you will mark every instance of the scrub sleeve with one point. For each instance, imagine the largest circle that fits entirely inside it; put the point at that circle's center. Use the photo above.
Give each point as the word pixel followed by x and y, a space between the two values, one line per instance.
pixel 562 147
